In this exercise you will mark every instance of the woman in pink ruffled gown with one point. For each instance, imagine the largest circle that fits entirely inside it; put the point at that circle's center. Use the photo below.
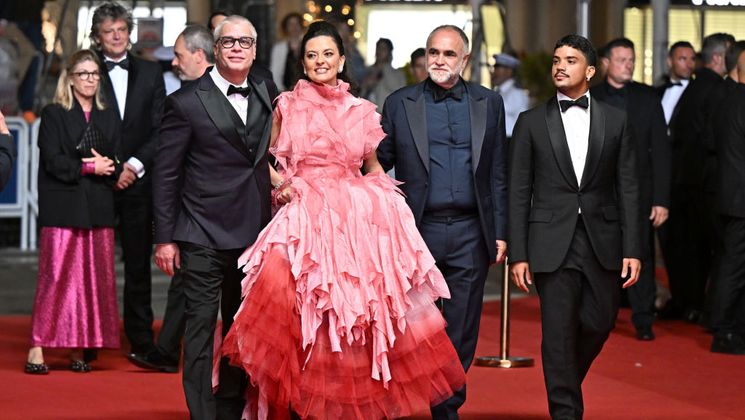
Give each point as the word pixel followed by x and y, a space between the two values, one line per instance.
pixel 338 319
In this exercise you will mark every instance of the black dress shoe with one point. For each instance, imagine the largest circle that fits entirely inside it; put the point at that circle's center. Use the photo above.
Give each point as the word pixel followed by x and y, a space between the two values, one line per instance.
pixel 153 361
pixel 80 366
pixel 36 368
pixel 644 333
pixel 728 343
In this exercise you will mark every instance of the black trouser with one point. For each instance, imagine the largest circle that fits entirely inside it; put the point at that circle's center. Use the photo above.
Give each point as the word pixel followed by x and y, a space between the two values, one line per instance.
pixel 134 208
pixel 174 320
pixel 644 292
pixel 579 305
pixel 728 294
pixel 457 243
pixel 689 244
pixel 208 274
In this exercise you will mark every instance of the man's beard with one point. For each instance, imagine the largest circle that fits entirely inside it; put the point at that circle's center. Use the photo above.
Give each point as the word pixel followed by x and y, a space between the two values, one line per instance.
pixel 441 76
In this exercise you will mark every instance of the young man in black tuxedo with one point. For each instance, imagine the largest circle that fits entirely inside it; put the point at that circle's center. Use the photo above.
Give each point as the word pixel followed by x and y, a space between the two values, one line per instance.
pixel 211 200
pixel 647 122
pixel 574 220
pixel 136 89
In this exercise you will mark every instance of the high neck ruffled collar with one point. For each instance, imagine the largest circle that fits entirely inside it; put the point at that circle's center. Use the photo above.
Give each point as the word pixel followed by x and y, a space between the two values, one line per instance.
pixel 321 90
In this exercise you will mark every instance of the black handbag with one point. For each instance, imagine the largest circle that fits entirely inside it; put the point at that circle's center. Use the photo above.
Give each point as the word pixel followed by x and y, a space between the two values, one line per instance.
pixel 93 138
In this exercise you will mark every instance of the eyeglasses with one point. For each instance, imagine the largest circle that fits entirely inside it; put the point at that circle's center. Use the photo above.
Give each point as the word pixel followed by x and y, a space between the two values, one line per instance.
pixel 245 42
pixel 86 75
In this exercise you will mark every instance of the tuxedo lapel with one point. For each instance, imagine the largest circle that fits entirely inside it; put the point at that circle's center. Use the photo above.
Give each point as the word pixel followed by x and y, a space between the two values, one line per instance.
pixel 416 115
pixel 218 108
pixel 559 143
pixel 477 108
pixel 131 85
pixel 259 88
pixel 596 140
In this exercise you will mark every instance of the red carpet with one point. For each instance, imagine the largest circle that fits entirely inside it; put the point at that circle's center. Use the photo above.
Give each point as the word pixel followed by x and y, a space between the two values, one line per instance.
pixel 674 377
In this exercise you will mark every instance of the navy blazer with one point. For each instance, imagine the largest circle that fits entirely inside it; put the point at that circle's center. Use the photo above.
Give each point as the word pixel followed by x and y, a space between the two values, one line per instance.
pixel 406 147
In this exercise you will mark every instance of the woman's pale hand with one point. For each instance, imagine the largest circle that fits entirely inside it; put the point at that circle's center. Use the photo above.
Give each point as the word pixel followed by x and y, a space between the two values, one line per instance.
pixel 104 165
pixel 285 194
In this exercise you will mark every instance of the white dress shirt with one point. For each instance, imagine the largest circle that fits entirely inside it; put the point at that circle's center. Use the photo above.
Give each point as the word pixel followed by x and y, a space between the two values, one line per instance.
pixel 239 102
pixel 516 100
pixel 670 99
pixel 120 81
pixel 576 121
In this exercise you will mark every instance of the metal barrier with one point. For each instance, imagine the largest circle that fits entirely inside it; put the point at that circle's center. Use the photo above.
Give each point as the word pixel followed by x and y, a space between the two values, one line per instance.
pixel 13 199
pixel 33 185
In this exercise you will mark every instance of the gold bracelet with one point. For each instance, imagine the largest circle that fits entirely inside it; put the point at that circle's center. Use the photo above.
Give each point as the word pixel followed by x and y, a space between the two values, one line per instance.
pixel 278 186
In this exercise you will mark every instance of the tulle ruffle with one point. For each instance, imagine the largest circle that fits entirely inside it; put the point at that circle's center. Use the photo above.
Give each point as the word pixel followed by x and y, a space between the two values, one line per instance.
pixel 335 384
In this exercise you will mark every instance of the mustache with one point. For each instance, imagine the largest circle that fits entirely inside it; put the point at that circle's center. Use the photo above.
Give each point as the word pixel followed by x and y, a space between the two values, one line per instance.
pixel 560 72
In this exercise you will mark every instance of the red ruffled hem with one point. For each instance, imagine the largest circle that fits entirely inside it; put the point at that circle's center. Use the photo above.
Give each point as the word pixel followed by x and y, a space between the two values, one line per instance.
pixel 265 340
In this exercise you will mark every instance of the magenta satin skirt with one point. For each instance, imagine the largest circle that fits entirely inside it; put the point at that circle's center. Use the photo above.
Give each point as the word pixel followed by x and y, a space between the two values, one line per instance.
pixel 75 304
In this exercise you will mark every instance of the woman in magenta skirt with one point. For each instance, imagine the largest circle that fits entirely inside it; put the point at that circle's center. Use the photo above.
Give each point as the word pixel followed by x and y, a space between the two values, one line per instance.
pixel 75 305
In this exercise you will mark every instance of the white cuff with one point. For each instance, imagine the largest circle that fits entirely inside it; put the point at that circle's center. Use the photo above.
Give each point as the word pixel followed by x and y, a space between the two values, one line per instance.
pixel 139 167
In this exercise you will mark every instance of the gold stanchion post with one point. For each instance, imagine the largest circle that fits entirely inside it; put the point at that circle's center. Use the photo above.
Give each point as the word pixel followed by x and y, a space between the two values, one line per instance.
pixel 504 360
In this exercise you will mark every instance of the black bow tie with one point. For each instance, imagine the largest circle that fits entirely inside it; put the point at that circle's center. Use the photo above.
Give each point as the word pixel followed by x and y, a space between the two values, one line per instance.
pixel 581 102
pixel 243 91
pixel 123 64
pixel 671 84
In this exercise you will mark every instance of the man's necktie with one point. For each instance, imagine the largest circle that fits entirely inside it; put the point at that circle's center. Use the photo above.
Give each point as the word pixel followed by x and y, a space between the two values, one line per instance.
pixel 123 64
pixel 243 91
pixel 581 102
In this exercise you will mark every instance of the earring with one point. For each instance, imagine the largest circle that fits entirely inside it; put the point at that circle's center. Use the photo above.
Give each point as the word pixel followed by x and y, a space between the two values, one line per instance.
pixel 305 72
pixel 341 69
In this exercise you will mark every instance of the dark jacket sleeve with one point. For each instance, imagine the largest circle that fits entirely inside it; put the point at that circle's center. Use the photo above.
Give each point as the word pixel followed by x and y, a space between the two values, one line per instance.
pixel 146 152
pixel 661 156
pixel 498 176
pixel 7 157
pixel 387 147
pixel 174 139
pixel 52 156
pixel 627 187
pixel 520 189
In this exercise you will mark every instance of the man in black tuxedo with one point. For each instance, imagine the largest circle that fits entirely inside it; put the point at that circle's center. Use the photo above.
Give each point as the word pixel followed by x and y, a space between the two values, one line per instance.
pixel 212 198
pixel 649 132
pixel 691 236
pixel 574 220
pixel 446 140
pixel 136 89
pixel 7 152
pixel 728 292
pixel 681 61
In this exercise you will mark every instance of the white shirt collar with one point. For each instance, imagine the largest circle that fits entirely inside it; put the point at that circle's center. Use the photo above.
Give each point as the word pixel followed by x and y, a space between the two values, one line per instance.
pixel 107 58
pixel 222 83
pixel 507 85
pixel 561 97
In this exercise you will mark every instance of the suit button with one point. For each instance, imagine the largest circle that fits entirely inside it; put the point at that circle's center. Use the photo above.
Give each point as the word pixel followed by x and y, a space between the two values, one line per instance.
pixel 426 184
pixel 250 150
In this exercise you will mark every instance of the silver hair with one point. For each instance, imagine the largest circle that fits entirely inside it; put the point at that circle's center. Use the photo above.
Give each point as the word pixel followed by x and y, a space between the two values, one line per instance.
pixel 197 37
pixel 234 19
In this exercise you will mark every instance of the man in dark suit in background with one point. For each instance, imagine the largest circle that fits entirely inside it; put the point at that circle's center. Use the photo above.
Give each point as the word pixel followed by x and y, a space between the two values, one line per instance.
pixel 193 56
pixel 446 140
pixel 136 89
pixel 212 198
pixel 7 153
pixel 649 132
pixel 691 234
pixel 681 61
pixel 574 220
pixel 728 292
